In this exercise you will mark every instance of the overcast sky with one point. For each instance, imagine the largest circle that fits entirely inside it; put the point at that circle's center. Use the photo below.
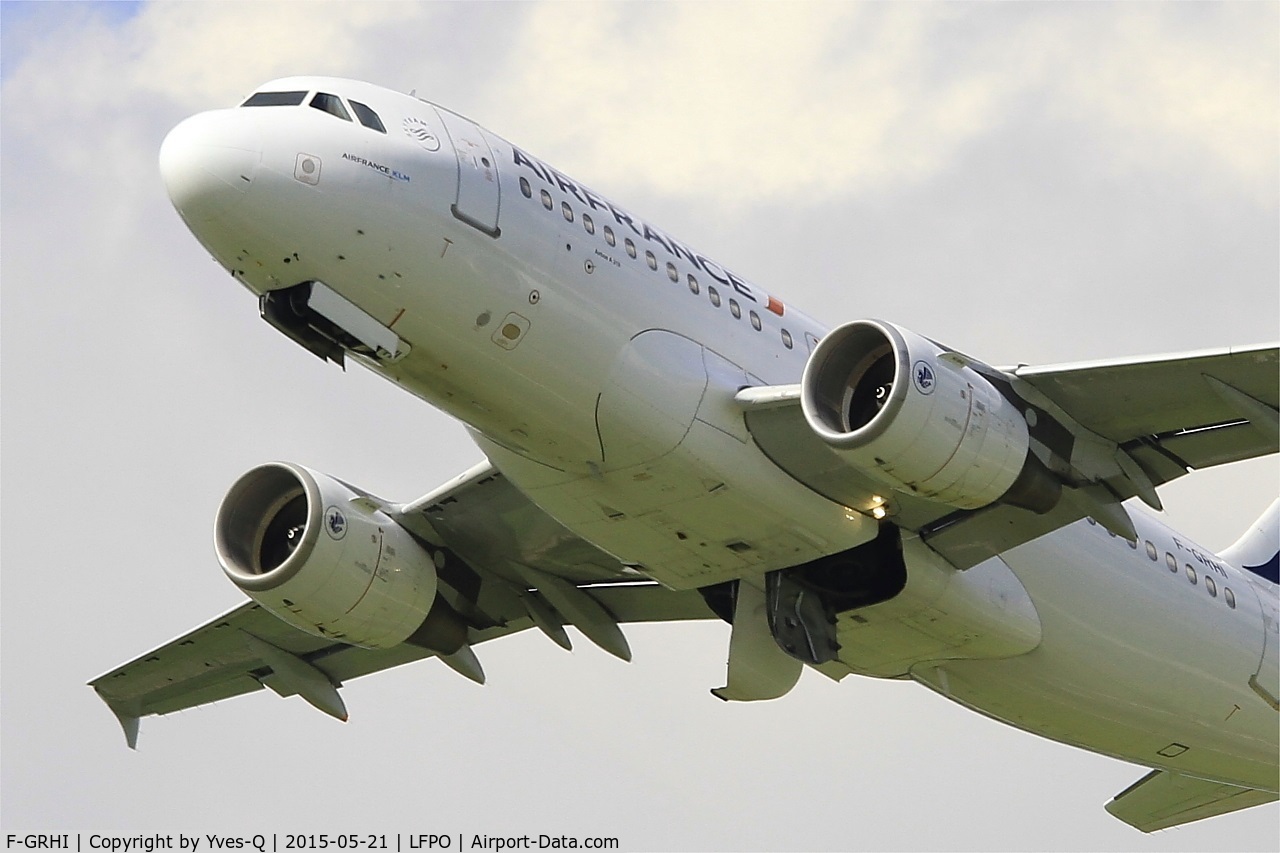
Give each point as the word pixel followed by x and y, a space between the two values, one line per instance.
pixel 1027 183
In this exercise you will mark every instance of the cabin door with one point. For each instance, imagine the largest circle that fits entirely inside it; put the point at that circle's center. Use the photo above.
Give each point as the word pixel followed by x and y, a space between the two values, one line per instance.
pixel 477 200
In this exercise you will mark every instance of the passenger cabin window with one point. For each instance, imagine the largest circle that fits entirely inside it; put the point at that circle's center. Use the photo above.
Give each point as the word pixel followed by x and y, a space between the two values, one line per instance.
pixel 588 223
pixel 525 189
pixel 367 117
pixel 1151 550
pixel 715 296
pixel 734 309
pixel 650 260
pixel 1170 562
pixel 755 321
pixel 693 284
pixel 1191 573
pixel 672 272
pixel 786 339
pixel 567 211
pixel 1211 585
pixel 546 199
pixel 631 247
pixel 330 104
pixel 275 99
pixel 1229 596
pixel 608 236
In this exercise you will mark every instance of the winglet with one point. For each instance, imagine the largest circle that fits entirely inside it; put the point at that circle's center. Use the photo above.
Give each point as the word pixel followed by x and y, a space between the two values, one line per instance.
pixel 128 721
pixel 293 675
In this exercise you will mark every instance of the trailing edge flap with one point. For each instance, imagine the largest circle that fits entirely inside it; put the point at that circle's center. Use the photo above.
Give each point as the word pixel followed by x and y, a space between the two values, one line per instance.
pixel 1162 799
pixel 758 668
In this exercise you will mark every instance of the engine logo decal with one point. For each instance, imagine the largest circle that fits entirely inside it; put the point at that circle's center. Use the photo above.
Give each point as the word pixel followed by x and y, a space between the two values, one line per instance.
pixel 335 523
pixel 922 376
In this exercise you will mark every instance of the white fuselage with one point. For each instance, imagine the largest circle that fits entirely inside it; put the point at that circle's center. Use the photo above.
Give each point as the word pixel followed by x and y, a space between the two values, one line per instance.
pixel 600 380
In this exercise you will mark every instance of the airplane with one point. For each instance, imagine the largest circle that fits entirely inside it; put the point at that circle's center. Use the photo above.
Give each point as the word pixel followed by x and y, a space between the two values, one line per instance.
pixel 666 441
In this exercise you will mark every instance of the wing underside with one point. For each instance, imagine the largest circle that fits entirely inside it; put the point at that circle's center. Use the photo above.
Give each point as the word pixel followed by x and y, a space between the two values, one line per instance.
pixel 506 567
pixel 1162 799
pixel 1173 413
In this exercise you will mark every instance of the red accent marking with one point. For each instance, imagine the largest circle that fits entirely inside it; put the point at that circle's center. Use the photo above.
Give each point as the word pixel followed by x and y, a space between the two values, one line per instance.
pixel 775 306
pixel 397 317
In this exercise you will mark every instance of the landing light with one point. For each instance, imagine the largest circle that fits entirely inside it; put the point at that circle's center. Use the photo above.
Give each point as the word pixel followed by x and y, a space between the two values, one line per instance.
pixel 877 508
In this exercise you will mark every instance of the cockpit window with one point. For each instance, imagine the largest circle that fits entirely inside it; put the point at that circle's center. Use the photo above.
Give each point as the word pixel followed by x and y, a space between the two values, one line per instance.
pixel 367 117
pixel 331 104
pixel 274 99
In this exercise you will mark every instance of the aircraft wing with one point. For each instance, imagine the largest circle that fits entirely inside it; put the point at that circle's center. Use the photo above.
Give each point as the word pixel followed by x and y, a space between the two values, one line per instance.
pixel 1162 799
pixel 510 565
pixel 1118 428
pixel 1173 413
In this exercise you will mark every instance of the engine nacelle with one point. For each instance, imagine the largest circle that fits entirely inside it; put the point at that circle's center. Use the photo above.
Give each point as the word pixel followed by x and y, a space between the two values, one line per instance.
pixel 325 559
pixel 917 417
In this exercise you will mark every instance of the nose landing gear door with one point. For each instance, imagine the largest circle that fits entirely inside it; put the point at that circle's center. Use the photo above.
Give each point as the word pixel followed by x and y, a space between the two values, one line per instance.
pixel 478 199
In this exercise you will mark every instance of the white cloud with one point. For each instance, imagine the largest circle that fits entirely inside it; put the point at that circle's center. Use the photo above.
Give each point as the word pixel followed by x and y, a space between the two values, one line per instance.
pixel 753 84
pixel 192 55
pixel 216 53
pixel 1194 91
pixel 821 101
pixel 744 103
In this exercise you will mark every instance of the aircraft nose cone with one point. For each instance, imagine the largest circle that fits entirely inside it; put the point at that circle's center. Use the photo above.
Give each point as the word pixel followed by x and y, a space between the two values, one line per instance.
pixel 208 162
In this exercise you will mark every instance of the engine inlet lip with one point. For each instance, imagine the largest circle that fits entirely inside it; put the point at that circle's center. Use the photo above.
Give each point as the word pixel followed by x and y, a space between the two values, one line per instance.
pixel 248 508
pixel 831 365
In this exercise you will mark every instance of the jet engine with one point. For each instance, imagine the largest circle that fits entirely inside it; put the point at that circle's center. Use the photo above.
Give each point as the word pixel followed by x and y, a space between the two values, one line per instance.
pixel 919 417
pixel 324 558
